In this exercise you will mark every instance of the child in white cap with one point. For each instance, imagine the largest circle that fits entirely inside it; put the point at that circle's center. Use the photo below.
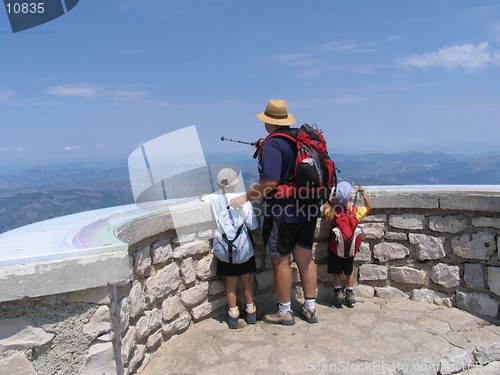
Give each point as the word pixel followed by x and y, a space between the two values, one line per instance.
pixel 344 265
pixel 227 180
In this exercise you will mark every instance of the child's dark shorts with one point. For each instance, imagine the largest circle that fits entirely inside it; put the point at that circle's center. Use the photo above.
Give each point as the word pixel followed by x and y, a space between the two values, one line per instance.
pixel 232 269
pixel 338 265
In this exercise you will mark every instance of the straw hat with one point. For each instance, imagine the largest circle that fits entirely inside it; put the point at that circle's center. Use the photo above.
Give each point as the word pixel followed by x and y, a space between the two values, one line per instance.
pixel 276 113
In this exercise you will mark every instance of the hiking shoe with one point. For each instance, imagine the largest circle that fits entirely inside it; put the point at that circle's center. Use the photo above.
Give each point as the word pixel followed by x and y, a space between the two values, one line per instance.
pixel 349 297
pixel 310 315
pixel 278 317
pixel 338 298
pixel 251 315
pixel 232 320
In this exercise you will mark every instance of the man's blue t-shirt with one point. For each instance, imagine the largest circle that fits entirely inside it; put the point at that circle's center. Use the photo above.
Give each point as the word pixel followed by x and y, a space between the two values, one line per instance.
pixel 277 162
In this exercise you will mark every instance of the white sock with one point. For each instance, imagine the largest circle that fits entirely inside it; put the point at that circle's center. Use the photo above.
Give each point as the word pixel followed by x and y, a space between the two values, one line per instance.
pixel 310 303
pixel 233 310
pixel 284 307
pixel 250 306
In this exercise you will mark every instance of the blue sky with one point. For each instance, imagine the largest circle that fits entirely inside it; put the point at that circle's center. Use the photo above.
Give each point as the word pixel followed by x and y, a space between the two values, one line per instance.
pixel 375 76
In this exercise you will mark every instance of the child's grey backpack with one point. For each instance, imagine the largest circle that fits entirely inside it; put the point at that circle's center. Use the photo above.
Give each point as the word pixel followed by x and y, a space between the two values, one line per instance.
pixel 231 239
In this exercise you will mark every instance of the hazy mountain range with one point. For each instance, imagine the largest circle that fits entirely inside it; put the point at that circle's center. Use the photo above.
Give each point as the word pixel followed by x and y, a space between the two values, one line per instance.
pixel 36 194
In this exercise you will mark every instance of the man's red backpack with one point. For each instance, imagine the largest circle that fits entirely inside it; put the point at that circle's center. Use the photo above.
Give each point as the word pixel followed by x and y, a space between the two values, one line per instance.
pixel 314 171
pixel 346 236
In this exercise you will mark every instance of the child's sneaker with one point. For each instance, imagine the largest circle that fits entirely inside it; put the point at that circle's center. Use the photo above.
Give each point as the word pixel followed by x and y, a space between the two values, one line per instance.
pixel 349 297
pixel 251 315
pixel 232 319
pixel 338 298
pixel 278 317
pixel 310 315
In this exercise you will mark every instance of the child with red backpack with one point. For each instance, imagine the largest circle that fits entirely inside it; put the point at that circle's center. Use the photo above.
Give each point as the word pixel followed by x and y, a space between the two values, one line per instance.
pixel 345 239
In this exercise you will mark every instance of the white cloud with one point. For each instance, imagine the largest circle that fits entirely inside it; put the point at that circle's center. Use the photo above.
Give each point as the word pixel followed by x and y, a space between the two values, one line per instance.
pixel 71 148
pixel 5 95
pixel 347 46
pixel 84 90
pixel 466 56
pixel 348 99
pixel 127 96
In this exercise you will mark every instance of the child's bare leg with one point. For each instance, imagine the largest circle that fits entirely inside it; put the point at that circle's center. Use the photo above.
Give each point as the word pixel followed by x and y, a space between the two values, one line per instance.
pixel 336 280
pixel 231 282
pixel 246 282
pixel 350 280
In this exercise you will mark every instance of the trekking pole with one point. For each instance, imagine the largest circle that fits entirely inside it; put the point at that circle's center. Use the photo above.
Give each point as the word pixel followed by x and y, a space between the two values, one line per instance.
pixel 234 140
pixel 356 197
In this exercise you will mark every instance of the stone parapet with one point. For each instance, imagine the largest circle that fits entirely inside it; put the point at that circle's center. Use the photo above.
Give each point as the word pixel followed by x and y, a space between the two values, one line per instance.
pixel 432 247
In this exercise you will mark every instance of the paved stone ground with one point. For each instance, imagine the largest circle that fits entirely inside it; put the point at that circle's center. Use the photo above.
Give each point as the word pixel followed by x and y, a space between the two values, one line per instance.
pixel 376 336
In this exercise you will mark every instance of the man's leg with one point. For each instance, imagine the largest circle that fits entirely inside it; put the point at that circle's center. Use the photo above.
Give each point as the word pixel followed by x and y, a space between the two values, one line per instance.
pixel 307 270
pixel 282 278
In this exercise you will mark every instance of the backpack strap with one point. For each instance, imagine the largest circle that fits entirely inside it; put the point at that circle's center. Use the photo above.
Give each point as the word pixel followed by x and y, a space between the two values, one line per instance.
pixel 230 242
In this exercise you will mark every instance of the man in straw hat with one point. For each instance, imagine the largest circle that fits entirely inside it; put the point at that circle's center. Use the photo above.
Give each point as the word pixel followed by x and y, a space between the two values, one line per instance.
pixel 288 227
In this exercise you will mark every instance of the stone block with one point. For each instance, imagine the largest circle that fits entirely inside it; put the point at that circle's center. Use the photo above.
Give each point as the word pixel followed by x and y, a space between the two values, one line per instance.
pixel 17 364
pixel 372 272
pixel 165 281
pixel 427 247
pixel 364 291
pixel 372 230
pixel 161 251
pixel 477 303
pixel 99 323
pixel 123 314
pixel 128 343
pixel 474 275
pixel 323 275
pixel 323 228
pixel 390 250
pixel 171 307
pixel 489 222
pixel 390 293
pixel 396 236
pixel 100 359
pixel 188 272
pixel 480 246
pixel 195 295
pixel 407 221
pixel 137 357
pixel 469 202
pixel 154 339
pixel 190 249
pixel 142 261
pixel 99 296
pixel 216 287
pixel 148 323
pixel 22 333
pixel 407 275
pixel 494 280
pixel 265 279
pixel 206 267
pixel 377 218
pixel 320 250
pixel 137 300
pixel 207 307
pixel 178 325
pixel 364 254
pixel 448 224
pixel 431 296
pixel 446 275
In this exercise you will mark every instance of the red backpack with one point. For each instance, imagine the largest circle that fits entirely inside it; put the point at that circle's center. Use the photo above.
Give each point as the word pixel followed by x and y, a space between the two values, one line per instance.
pixel 346 236
pixel 314 171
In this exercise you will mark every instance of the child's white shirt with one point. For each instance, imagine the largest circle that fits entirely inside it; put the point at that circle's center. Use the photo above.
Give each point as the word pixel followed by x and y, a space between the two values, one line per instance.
pixel 218 203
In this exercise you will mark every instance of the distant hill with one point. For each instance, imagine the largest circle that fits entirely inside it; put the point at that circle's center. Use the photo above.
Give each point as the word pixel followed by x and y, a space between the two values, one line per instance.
pixel 37 194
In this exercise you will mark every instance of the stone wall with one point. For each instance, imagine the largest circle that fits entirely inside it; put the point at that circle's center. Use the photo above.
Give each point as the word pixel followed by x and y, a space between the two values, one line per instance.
pixel 439 249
